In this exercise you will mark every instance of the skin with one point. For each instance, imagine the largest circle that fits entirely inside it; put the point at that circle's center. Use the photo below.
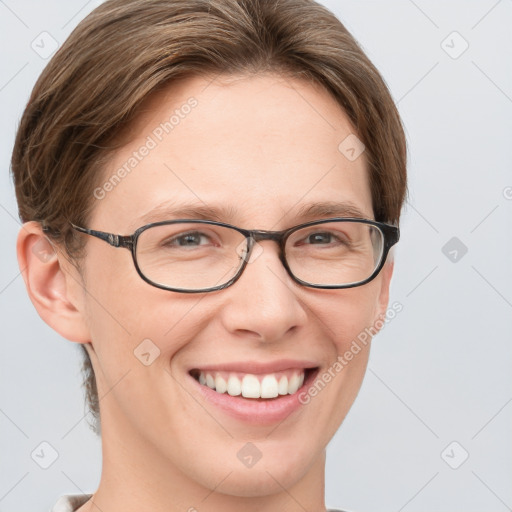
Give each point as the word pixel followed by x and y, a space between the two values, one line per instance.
pixel 266 145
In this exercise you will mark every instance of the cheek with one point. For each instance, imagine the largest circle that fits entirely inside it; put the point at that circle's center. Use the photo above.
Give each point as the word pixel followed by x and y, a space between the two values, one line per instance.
pixel 136 335
pixel 350 317
pixel 118 299
pixel 128 317
pixel 349 314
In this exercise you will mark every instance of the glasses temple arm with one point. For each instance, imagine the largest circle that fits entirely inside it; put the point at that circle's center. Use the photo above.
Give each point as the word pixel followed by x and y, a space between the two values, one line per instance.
pixel 110 238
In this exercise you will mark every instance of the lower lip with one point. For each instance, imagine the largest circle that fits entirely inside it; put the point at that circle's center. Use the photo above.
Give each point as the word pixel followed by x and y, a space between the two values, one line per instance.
pixel 256 411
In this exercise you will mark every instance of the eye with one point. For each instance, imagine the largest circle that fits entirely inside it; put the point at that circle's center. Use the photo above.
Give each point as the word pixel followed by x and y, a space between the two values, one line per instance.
pixel 324 238
pixel 320 238
pixel 190 239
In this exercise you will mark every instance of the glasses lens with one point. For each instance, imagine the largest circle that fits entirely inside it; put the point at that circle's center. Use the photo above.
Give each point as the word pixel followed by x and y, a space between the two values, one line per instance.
pixel 335 253
pixel 190 256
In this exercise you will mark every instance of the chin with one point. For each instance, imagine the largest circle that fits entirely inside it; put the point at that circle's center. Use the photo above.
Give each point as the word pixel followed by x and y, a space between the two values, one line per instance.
pixel 278 467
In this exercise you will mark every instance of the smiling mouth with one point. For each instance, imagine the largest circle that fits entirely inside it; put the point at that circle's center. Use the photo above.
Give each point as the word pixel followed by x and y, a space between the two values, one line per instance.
pixel 254 386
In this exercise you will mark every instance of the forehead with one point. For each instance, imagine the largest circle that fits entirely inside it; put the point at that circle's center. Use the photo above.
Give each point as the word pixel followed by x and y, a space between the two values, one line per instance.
pixel 262 146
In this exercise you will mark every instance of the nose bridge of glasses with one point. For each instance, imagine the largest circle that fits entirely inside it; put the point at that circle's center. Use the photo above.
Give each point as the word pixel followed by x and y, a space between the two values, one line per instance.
pixel 260 235
pixel 255 236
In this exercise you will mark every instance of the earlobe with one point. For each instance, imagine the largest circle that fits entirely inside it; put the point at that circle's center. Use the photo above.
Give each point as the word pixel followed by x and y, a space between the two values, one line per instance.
pixel 49 283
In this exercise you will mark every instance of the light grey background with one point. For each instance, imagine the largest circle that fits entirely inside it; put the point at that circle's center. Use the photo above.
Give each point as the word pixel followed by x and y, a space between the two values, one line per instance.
pixel 439 372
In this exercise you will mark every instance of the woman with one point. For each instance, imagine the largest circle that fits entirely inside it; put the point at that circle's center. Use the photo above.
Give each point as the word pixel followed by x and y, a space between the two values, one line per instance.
pixel 209 191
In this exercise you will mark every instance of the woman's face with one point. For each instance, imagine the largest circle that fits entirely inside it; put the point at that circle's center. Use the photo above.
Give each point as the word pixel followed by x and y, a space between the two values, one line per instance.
pixel 260 148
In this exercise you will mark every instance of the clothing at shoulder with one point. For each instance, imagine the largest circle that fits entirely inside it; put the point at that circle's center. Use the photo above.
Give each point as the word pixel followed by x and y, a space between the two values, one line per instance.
pixel 72 502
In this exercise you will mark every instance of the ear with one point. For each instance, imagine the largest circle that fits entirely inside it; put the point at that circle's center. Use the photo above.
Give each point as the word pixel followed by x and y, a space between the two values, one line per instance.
pixel 383 298
pixel 53 284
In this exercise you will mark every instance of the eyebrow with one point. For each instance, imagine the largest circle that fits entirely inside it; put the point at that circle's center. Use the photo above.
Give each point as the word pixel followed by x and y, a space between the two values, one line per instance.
pixel 330 209
pixel 222 213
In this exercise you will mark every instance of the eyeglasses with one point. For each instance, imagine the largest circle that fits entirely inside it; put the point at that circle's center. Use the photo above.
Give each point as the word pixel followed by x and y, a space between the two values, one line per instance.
pixel 192 256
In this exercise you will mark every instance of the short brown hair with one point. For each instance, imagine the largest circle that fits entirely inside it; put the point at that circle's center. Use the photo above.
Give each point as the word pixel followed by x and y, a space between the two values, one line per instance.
pixel 127 49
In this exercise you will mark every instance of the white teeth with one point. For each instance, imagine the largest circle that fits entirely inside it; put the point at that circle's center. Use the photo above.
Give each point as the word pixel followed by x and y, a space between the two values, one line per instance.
pixel 234 385
pixel 210 382
pixel 293 384
pixel 251 386
pixel 221 385
pixel 269 387
pixel 283 385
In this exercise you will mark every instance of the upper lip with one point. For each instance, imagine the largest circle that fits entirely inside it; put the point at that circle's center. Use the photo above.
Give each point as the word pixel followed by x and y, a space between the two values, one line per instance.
pixel 255 367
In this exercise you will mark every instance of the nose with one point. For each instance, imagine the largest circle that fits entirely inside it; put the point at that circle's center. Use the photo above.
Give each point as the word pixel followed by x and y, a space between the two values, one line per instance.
pixel 263 303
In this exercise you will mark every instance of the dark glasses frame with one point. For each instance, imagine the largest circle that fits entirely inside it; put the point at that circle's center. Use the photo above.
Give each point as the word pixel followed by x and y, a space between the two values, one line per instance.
pixel 390 233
